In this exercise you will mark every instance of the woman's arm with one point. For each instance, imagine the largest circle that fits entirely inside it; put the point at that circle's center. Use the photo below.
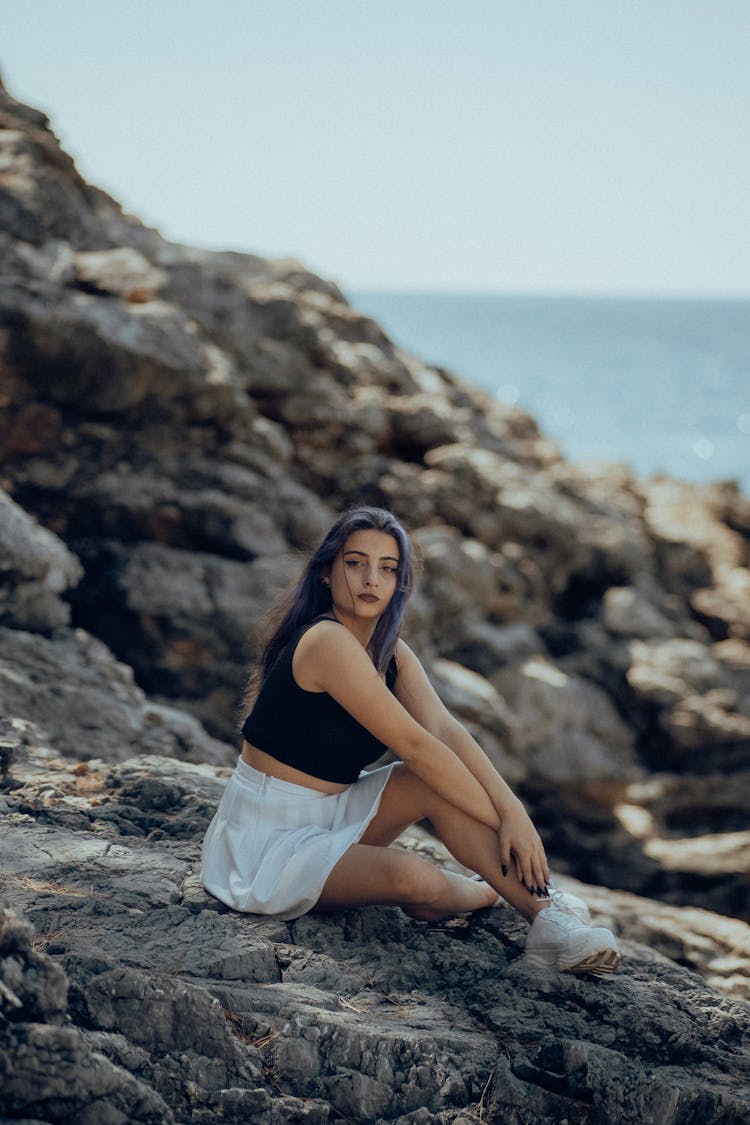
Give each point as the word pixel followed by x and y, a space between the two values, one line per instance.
pixel 418 696
pixel 517 833
pixel 328 658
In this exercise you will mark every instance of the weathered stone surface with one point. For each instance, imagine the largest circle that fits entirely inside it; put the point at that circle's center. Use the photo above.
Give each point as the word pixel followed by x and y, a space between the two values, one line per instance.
pixel 89 704
pixel 49 1071
pixel 174 425
pixel 35 569
pixel 197 1001
pixel 253 402
pixel 701 697
pixel 121 273
pixel 272 331
pixel 630 613
pixel 182 1004
pixel 566 727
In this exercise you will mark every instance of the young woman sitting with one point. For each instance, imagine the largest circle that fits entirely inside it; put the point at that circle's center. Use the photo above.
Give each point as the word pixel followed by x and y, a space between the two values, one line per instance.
pixel 301 825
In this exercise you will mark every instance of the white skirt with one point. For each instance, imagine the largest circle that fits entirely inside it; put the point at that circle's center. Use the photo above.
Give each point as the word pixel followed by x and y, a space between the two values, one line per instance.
pixel 271 844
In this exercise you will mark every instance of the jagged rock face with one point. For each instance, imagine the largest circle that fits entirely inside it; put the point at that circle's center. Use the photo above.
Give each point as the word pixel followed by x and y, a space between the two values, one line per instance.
pixel 175 425
pixel 154 1003
pixel 36 568
pixel 183 422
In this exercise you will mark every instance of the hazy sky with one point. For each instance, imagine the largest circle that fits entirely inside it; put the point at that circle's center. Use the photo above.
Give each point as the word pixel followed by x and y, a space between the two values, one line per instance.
pixel 588 146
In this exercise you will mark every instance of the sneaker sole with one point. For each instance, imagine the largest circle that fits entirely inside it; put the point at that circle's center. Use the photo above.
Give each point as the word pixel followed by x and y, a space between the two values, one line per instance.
pixel 599 964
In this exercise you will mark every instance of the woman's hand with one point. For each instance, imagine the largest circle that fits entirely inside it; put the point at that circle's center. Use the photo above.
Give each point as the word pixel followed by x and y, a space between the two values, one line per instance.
pixel 521 848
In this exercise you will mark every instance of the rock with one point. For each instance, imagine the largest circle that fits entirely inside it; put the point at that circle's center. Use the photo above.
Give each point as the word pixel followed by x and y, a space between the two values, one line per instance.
pixel 628 613
pixel 710 522
pixel 467 581
pixel 566 728
pixel 701 700
pixel 174 425
pixel 484 647
pixel 123 272
pixel 87 703
pixel 48 1069
pixel 724 607
pixel 35 569
pixel 188 622
pixel 469 695
pixel 716 947
pixel 175 1006
pixel 254 402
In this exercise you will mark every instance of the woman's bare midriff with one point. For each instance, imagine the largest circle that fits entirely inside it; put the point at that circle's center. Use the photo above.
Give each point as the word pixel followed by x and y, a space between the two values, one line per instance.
pixel 259 760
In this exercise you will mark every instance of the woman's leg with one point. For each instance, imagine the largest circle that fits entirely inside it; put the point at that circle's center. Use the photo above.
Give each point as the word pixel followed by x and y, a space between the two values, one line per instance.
pixel 387 875
pixel 407 799
pixel 373 872
pixel 368 874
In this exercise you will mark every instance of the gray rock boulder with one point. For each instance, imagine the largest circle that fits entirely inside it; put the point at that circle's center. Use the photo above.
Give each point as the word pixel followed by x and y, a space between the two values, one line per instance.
pixel 175 424
pixel 35 569
pixel 87 703
pixel 155 1003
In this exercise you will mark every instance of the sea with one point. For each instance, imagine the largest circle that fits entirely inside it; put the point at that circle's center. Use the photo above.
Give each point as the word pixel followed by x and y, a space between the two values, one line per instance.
pixel 660 384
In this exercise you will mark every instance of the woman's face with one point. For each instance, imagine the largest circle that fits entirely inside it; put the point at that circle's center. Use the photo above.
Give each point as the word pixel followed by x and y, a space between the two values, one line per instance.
pixel 364 575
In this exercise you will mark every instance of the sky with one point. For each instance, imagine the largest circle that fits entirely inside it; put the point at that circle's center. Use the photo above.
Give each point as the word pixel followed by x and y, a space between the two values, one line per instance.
pixel 495 146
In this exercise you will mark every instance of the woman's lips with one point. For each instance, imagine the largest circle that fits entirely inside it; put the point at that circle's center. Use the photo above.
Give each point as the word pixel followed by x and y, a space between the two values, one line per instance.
pixel 368 597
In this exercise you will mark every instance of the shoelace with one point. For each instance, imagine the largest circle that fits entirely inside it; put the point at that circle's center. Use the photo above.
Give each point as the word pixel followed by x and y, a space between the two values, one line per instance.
pixel 567 904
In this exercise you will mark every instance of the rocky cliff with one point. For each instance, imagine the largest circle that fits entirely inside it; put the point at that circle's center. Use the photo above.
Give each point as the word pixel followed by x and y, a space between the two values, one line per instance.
pixel 175 425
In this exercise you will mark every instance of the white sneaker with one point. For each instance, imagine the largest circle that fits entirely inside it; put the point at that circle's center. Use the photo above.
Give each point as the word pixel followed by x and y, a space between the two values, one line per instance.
pixel 561 899
pixel 571 903
pixel 561 941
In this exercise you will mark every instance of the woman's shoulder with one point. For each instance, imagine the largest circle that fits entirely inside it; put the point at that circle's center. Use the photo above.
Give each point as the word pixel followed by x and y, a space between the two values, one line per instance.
pixel 289 645
pixel 307 628
pixel 321 634
pixel 321 627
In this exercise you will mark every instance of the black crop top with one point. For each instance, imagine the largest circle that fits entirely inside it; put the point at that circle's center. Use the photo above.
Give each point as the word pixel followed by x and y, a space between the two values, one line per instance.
pixel 309 730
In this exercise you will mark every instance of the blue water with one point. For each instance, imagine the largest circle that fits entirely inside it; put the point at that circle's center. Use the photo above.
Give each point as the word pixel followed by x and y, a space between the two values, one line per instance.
pixel 663 385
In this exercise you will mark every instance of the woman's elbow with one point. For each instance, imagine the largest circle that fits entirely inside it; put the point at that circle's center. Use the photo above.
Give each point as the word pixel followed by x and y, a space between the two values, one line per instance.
pixel 414 747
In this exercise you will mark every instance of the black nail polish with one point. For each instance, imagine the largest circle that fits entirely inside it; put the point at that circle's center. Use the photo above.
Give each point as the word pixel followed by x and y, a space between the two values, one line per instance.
pixel 505 871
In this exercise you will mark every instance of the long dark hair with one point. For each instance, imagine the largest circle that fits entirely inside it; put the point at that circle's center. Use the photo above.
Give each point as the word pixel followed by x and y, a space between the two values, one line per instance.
pixel 310 598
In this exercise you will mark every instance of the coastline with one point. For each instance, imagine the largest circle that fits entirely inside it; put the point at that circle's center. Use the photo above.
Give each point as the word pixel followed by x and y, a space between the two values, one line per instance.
pixel 176 425
pixel 657 383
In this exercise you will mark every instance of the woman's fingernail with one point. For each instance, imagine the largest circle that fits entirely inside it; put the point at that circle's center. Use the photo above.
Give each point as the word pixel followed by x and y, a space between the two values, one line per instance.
pixel 505 871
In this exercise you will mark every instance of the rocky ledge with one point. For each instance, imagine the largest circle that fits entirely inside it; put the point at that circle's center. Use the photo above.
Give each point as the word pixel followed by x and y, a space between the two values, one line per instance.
pixel 129 995
pixel 175 425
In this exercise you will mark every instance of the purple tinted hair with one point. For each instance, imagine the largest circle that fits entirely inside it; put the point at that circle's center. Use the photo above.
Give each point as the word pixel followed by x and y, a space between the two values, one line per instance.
pixel 309 598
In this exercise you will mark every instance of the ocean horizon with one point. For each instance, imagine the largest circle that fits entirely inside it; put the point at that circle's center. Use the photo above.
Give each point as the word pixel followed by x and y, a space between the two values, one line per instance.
pixel 660 383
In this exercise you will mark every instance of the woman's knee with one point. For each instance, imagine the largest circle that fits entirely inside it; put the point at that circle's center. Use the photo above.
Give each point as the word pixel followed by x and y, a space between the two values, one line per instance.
pixel 417 884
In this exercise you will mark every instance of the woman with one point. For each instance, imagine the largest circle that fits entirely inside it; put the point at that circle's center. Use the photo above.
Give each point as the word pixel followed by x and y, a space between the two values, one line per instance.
pixel 301 826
